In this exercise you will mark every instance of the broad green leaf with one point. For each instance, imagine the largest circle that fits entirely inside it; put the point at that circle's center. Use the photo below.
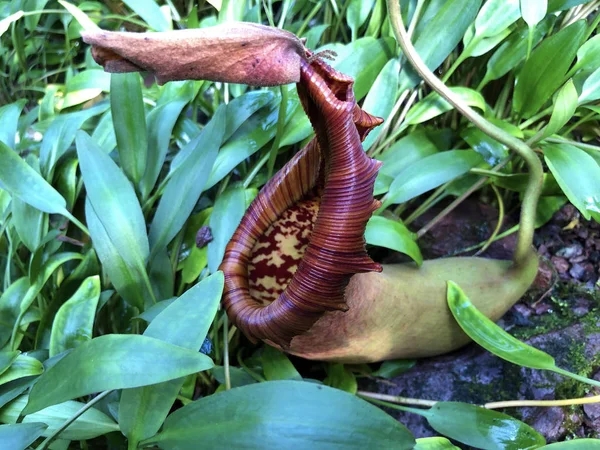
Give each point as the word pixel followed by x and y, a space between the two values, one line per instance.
pixel 19 436
pixel 477 46
pixel 357 13
pixel 61 134
pixel 339 377
pixel 66 181
pixel 429 173
pixel 90 424
pixel 185 323
pixel 393 368
pixel 564 107
pixel 104 133
pixel 114 201
pixel 241 109
pixel 591 88
pixel 394 235
pixel 7 21
pixel 561 5
pixel 187 182
pixel 22 181
pixel 588 54
pixel 578 175
pixel 434 443
pixel 533 11
pixel 434 105
pixel 113 361
pixel 150 314
pixel 10 305
pixel 490 149
pixel 482 428
pixel 575 444
pixel 512 51
pixel 128 281
pixel 412 148
pixel 495 16
pixel 160 123
pixel 13 389
pixel 23 366
pixel 129 120
pixel 442 33
pixel 9 118
pixel 544 71
pixel 6 360
pixel 150 12
pixel 382 96
pixel 251 136
pixel 74 321
pixel 365 59
pixel 30 223
pixel 238 377
pixel 85 86
pixel 269 414
pixel 490 336
pixel 277 366
pixel 227 213
pixel 80 16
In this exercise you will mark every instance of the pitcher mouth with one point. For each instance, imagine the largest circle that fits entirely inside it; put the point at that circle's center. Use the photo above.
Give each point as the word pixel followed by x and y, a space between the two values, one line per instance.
pixel 302 239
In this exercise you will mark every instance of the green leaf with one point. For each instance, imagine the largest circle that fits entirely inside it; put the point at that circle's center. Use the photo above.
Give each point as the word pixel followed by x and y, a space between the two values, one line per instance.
pixel 533 11
pixel 490 336
pixel 578 175
pixel 490 149
pixel 575 444
pixel 187 182
pixel 128 281
pixel 565 105
pixel 23 366
pixel 434 443
pixel 80 16
pixel 268 414
pixel 391 369
pixel 339 377
pixel 22 181
pixel 114 202
pixel 113 361
pixel 238 377
pixel 90 424
pixel 561 5
pixel 442 33
pixel 85 86
pixel 10 305
pixel 9 119
pixel 6 360
pixel 277 366
pixel 129 119
pixel 150 12
pixel 591 88
pixel 429 173
pixel 412 148
pixel 495 16
pixel 74 321
pixel 357 13
pixel 394 235
pixel 19 436
pixel 482 428
pixel 160 123
pixel 227 214
pixel 61 134
pixel 185 323
pixel 382 96
pixel 545 70
pixel 512 51
pixel 434 105
pixel 7 21
pixel 588 54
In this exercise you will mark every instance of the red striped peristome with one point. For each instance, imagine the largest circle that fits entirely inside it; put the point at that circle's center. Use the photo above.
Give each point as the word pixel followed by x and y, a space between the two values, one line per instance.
pixel 334 166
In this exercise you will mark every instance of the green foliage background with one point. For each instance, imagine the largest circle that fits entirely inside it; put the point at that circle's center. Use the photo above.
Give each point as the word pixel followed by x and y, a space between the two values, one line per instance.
pixel 104 181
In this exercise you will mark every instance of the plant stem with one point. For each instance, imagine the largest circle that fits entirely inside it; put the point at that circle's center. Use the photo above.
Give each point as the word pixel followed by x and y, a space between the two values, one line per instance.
pixel 397 399
pixel 547 403
pixel 534 186
pixel 72 419
pixel 226 352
